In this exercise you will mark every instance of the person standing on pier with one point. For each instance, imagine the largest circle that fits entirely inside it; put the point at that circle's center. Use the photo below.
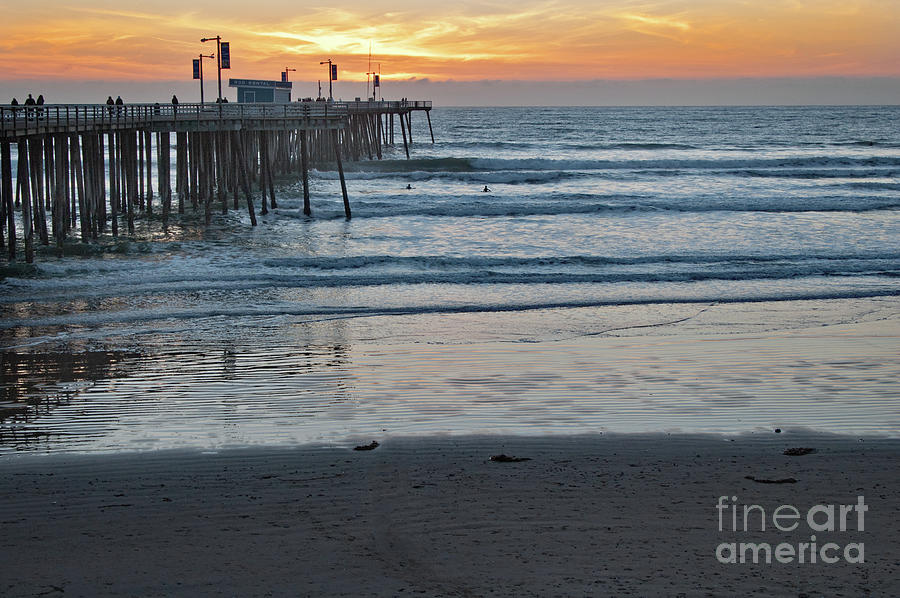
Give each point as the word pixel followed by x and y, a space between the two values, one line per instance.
pixel 110 103
pixel 28 111
pixel 40 102
pixel 174 104
pixel 119 104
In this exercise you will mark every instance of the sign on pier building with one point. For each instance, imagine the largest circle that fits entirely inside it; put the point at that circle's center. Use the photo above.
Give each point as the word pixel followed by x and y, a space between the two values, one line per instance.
pixel 252 91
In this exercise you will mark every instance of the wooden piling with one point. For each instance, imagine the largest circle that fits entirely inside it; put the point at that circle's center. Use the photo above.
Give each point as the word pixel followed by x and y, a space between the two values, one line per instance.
pixel 403 130
pixel 240 157
pixel 6 195
pixel 340 166
pixel 304 159
pixel 409 125
pixel 23 177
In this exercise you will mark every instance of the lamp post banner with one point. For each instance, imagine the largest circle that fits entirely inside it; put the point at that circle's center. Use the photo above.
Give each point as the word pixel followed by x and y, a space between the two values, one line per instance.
pixel 225 54
pixel 196 68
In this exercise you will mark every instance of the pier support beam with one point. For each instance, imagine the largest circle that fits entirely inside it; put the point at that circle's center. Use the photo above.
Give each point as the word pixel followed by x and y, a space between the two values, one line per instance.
pixel 6 195
pixel 403 130
pixel 340 165
pixel 304 160
pixel 23 179
pixel 241 158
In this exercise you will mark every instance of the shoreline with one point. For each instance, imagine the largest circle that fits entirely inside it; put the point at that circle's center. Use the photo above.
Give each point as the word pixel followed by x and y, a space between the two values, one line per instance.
pixel 598 514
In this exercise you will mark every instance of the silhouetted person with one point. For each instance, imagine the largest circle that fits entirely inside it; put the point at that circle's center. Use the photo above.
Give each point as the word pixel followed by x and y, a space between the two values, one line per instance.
pixel 485 190
pixel 110 103
pixel 156 108
pixel 409 186
pixel 40 102
pixel 119 104
pixel 174 104
pixel 29 102
pixel 14 102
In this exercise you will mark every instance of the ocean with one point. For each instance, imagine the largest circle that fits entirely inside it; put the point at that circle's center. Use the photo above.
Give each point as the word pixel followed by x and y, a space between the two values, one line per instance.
pixel 718 269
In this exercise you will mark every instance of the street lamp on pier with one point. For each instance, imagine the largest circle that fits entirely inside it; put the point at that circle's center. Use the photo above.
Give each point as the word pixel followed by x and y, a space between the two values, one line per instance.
pixel 199 62
pixel 332 76
pixel 219 45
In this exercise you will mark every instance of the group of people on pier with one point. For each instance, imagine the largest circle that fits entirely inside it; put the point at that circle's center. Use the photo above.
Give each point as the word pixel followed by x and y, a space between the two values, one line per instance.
pixel 29 102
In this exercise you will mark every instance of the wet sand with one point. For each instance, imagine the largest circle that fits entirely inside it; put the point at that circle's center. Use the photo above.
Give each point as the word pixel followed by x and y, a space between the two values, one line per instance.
pixel 587 515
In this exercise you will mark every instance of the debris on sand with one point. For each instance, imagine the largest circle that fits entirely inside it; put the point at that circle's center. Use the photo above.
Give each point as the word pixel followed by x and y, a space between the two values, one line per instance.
pixel 765 481
pixel 367 447
pixel 501 458
pixel 798 451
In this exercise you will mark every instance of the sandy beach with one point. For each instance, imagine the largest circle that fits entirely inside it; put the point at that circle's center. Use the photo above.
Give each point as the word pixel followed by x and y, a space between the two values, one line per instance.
pixel 435 516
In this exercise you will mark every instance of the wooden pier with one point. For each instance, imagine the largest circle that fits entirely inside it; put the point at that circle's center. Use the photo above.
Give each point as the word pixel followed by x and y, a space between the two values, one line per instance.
pixel 85 170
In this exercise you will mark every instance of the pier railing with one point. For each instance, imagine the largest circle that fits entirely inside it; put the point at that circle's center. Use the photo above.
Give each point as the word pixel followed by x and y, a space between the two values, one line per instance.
pixel 17 121
pixel 386 105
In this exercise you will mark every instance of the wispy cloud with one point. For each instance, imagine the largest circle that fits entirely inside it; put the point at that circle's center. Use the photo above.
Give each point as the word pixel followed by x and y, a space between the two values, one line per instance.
pixel 463 40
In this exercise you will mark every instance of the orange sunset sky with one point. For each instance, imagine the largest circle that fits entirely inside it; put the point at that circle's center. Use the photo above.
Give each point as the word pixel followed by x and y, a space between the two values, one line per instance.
pixel 457 41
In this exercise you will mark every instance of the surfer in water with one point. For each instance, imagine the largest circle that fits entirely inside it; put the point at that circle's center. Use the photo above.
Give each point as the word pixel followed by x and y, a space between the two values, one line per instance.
pixel 485 190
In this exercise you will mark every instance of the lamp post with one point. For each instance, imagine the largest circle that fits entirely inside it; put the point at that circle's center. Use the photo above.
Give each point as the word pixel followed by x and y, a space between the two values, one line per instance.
pixel 330 78
pixel 376 82
pixel 218 39
pixel 200 62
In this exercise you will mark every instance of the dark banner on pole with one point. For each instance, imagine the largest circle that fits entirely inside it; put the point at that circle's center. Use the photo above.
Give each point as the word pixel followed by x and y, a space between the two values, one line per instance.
pixel 334 72
pixel 377 80
pixel 196 68
pixel 225 55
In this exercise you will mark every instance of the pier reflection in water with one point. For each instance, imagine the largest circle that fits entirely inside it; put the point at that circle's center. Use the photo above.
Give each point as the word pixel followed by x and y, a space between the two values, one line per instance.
pixel 166 397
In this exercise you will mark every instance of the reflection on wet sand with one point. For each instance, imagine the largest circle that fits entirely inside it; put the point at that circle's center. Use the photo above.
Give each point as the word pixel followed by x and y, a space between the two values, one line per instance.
pixel 166 394
pixel 36 383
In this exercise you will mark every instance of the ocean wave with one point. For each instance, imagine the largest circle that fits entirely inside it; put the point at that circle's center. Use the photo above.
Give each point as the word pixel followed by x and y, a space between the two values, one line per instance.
pixel 867 143
pixel 468 206
pixel 820 162
pixel 474 164
pixel 585 145
pixel 872 185
pixel 209 311
pixel 440 261
pixel 300 274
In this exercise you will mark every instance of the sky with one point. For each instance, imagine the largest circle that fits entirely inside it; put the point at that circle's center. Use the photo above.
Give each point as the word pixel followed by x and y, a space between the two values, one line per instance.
pixel 484 52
